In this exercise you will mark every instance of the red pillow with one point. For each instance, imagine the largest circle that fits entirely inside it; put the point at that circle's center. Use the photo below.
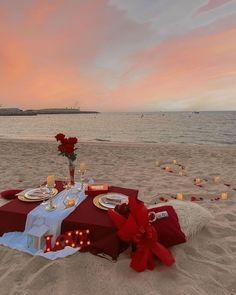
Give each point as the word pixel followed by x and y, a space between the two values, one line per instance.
pixel 10 194
pixel 168 228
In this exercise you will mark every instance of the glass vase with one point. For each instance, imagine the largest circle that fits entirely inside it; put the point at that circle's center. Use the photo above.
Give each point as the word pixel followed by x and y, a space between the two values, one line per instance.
pixel 72 172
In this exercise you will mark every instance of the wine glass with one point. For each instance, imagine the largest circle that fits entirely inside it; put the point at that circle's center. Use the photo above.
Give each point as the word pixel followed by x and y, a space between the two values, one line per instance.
pixel 43 191
pixel 82 170
pixel 50 206
pixel 66 183
pixel 67 186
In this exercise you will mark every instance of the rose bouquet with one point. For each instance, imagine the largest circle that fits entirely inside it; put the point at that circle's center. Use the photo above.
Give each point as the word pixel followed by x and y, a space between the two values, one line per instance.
pixel 67 148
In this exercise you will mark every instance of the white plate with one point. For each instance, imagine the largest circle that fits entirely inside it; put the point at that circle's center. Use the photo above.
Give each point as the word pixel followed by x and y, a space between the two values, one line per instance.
pixel 36 193
pixel 110 200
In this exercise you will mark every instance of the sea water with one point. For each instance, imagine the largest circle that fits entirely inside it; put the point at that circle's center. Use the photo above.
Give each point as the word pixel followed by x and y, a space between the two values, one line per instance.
pixel 159 127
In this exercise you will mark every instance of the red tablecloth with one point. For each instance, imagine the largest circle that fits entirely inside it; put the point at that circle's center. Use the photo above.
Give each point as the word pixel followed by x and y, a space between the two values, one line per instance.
pixel 86 216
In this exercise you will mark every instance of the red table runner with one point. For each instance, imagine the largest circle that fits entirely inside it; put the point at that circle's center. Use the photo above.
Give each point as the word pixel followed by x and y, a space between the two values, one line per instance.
pixel 86 216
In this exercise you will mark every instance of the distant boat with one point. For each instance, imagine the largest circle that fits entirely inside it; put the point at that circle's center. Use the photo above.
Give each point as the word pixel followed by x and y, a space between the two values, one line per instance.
pixel 195 112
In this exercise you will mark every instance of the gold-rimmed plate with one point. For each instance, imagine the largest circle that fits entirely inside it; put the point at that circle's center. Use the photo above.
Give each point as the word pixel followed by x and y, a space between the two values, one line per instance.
pixel 109 200
pixel 38 199
pixel 37 193
pixel 97 204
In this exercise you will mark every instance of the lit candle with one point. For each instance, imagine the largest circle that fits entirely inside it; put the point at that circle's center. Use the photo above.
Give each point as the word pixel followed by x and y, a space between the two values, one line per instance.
pixel 70 203
pixel 217 179
pixel 224 196
pixel 82 167
pixel 51 180
pixel 198 180
pixel 180 197
pixel 174 162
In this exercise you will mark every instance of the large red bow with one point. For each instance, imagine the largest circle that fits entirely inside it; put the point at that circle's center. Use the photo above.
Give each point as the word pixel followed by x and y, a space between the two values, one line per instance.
pixel 137 229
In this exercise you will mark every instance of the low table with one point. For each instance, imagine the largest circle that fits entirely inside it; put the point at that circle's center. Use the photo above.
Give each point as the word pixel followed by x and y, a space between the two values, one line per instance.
pixel 86 216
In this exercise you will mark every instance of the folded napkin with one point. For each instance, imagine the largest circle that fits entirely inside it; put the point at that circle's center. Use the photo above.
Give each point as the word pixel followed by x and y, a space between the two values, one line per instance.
pixel 10 194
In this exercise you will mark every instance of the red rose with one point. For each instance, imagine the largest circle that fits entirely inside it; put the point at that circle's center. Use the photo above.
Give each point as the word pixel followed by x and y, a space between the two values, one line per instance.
pixel 60 136
pixel 64 140
pixel 60 148
pixel 72 140
pixel 68 148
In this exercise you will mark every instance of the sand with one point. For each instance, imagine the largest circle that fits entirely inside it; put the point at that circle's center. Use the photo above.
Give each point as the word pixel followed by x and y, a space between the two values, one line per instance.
pixel 206 264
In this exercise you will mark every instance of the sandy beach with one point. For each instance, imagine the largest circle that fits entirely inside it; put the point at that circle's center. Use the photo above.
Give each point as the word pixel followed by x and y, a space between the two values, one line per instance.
pixel 205 264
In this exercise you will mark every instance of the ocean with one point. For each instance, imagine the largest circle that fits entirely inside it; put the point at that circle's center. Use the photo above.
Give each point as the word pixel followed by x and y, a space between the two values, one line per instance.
pixel 159 127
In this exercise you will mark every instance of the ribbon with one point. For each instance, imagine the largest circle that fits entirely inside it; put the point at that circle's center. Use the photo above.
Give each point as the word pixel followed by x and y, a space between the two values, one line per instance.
pixel 137 230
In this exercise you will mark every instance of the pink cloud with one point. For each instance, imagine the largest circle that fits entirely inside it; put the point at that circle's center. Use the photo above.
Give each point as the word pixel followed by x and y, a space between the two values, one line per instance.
pixel 211 4
pixel 42 11
pixel 185 67
pixel 48 56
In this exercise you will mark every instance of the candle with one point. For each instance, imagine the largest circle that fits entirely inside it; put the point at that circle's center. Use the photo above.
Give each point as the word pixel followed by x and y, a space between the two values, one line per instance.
pixel 182 173
pixel 217 179
pixel 70 202
pixel 224 196
pixel 82 167
pixel 198 180
pixel 174 162
pixel 51 180
pixel 167 168
pixel 179 197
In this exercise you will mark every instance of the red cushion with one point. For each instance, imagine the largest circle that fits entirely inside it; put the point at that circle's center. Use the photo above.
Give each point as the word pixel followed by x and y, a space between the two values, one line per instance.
pixel 10 194
pixel 168 228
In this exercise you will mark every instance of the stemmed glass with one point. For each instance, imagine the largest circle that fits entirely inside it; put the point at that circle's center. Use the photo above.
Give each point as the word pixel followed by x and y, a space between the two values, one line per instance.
pixel 50 185
pixel 82 170
pixel 67 186
pixel 50 206
pixel 42 189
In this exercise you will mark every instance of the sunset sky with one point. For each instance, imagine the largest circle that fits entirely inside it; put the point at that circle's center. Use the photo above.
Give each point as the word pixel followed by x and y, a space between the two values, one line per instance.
pixel 118 55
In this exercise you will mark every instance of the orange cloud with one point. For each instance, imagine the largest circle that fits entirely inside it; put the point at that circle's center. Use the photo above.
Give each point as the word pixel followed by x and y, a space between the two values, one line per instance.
pixel 42 11
pixel 185 67
pixel 44 68
pixel 57 54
